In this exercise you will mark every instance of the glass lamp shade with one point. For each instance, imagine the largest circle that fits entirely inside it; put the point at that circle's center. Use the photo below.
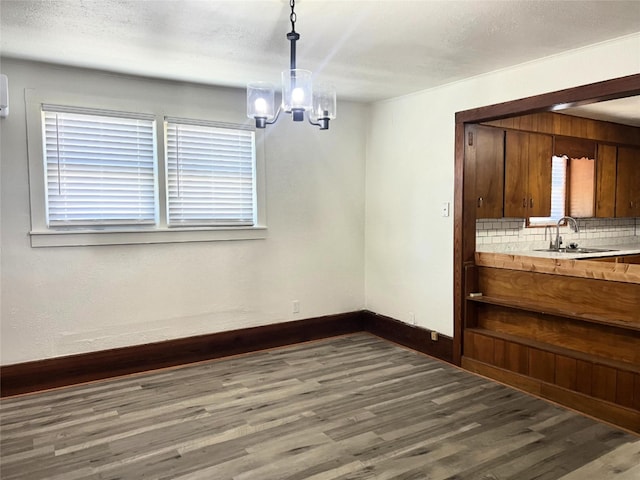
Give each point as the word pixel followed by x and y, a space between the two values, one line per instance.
pixel 296 90
pixel 261 101
pixel 324 102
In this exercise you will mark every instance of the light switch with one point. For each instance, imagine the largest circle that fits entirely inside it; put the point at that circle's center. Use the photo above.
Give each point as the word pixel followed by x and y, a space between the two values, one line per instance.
pixel 445 209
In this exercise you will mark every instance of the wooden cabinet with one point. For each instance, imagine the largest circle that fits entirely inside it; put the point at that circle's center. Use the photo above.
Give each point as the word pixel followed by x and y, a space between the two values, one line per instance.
pixel 605 201
pixel 527 179
pixel 489 163
pixel 628 182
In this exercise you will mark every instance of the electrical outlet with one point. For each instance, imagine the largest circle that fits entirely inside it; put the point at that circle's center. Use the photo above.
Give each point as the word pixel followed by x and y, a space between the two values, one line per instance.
pixel 434 336
pixel 295 306
pixel 412 318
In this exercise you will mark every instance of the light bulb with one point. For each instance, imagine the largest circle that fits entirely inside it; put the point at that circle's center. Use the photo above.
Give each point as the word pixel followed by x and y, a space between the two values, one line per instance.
pixel 260 106
pixel 297 97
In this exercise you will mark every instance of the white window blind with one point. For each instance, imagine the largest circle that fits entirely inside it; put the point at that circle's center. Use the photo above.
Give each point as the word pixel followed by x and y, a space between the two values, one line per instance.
pixel 558 192
pixel 100 168
pixel 210 174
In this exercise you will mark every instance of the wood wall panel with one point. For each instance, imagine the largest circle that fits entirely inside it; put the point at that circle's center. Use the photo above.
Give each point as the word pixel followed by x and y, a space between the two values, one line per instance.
pixel 584 377
pixel 586 296
pixel 542 365
pixel 619 415
pixel 517 358
pixel 499 349
pixel 604 382
pixel 624 388
pixel 600 340
pixel 566 372
pixel 559 124
pixel 636 392
pixel 483 348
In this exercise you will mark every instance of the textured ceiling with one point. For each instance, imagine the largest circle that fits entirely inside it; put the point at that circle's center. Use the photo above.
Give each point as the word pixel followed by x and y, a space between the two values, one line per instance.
pixel 370 50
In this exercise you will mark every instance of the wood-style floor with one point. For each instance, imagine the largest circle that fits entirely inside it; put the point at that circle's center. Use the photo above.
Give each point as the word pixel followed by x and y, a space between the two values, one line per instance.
pixel 352 407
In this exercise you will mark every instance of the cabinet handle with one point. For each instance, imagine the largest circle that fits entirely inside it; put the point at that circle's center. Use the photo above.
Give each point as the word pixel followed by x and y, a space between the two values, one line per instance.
pixel 531 202
pixel 631 204
pixel 480 200
pixel 524 203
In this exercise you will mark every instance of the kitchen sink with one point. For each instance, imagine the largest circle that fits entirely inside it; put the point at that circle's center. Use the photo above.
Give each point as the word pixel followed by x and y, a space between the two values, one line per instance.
pixel 575 250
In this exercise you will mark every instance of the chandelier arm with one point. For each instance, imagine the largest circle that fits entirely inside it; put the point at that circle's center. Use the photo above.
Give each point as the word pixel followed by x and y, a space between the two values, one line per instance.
pixel 323 123
pixel 275 119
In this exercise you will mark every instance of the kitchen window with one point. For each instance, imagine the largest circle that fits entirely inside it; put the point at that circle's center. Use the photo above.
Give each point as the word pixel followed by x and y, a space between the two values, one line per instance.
pixel 558 193
pixel 104 177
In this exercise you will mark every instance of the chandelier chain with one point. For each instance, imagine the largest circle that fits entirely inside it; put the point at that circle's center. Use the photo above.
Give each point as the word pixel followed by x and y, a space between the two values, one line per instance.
pixel 293 16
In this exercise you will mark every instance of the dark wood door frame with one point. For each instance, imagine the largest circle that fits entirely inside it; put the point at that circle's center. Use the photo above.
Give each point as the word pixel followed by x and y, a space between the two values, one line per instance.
pixel 464 232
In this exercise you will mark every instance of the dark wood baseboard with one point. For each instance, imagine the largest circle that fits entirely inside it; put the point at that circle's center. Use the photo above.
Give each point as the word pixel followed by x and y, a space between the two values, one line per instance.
pixel 74 369
pixel 416 338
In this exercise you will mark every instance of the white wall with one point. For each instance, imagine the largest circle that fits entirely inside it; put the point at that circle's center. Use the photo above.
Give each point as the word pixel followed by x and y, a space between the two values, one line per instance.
pixel 66 300
pixel 410 172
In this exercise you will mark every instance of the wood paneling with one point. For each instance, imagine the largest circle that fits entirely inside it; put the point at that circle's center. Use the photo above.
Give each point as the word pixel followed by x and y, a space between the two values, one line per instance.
pixel 516 358
pixel 502 358
pixel 584 376
pixel 616 414
pixel 542 365
pixel 583 268
pixel 584 298
pixel 624 388
pixel 604 383
pixel 566 372
pixel 592 339
pixel 569 126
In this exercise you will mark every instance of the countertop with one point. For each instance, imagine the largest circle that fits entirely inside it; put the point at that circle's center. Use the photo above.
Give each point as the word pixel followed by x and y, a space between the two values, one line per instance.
pixel 527 251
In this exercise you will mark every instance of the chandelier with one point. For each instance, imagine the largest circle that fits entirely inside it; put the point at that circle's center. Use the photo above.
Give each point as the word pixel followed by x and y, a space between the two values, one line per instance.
pixel 298 94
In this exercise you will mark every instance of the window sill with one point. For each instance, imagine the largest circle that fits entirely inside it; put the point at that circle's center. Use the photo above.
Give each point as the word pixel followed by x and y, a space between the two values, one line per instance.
pixel 89 237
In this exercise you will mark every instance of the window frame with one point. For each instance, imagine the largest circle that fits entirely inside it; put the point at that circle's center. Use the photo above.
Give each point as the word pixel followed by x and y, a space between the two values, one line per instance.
pixel 57 236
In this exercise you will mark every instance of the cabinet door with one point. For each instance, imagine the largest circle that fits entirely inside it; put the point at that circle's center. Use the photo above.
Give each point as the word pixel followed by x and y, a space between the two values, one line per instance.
pixel 628 182
pixel 489 172
pixel 540 153
pixel 516 174
pixel 606 181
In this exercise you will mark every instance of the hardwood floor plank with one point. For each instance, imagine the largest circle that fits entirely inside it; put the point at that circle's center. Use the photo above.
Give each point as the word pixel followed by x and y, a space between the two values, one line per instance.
pixel 351 407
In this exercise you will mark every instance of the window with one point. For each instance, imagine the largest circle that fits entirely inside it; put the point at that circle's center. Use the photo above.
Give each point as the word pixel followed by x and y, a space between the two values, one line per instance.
pixel 210 174
pixel 107 177
pixel 100 170
pixel 572 187
pixel 558 193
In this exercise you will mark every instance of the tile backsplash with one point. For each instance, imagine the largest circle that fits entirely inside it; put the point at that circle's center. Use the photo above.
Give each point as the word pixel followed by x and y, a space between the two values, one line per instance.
pixel 511 234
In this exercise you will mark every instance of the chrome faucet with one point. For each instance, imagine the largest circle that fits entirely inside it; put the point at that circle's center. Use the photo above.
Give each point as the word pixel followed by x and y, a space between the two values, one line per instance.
pixel 555 244
pixel 572 223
